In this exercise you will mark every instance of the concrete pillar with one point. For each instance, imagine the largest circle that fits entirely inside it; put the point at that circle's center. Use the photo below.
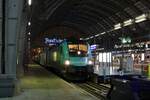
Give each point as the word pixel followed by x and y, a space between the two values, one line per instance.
pixel 21 46
pixel 0 33
pixel 13 12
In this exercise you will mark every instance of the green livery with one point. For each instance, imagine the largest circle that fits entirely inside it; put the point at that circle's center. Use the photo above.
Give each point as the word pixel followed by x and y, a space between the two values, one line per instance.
pixel 70 58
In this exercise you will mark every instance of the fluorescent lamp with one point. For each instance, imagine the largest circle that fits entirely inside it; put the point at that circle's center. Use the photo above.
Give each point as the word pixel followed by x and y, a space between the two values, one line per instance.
pixel 132 56
pixel 87 38
pixel 124 40
pixel 91 37
pixel 129 50
pixel 97 35
pixel 127 22
pixel 29 33
pixel 117 26
pixel 81 38
pixel 103 33
pixel 140 18
pixel 146 45
pixel 29 23
pixel 29 2
pixel 142 57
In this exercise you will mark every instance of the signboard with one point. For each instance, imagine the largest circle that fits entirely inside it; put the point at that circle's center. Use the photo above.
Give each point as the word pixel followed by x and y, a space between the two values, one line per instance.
pixel 53 41
pixel 93 47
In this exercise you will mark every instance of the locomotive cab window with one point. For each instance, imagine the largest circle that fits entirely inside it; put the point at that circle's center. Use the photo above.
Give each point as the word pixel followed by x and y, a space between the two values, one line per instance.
pixel 78 49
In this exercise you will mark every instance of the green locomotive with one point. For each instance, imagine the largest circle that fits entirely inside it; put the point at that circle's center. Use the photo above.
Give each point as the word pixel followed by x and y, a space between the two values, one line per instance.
pixel 72 59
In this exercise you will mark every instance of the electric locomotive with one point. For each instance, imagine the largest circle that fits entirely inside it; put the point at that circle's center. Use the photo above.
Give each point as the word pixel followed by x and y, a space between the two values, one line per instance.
pixel 71 58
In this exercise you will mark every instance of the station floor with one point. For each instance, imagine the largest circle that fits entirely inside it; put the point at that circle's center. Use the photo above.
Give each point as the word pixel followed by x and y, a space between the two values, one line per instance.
pixel 40 84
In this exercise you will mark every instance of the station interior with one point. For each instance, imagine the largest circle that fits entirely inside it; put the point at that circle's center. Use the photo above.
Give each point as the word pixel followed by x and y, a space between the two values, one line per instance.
pixel 75 49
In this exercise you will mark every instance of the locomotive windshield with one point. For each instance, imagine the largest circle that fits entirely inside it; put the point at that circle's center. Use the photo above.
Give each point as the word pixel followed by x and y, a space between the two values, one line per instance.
pixel 78 49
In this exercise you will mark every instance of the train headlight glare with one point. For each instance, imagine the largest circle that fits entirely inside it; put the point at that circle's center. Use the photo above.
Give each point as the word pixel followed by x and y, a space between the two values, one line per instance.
pixel 67 62
pixel 79 52
pixel 90 62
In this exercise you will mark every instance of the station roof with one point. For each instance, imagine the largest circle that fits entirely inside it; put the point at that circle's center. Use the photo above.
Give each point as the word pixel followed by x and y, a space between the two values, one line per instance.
pixel 91 20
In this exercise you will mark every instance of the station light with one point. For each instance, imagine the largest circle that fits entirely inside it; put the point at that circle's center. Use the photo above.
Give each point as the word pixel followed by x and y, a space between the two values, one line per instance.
pixel 29 39
pixel 124 81
pixel 55 56
pixel 132 56
pixel 29 33
pixel 97 35
pixel 29 2
pixel 81 38
pixel 103 33
pixel 123 41
pixel 90 62
pixel 91 37
pixel 140 18
pixel 129 50
pixel 29 23
pixel 127 22
pixel 117 26
pixel 142 57
pixel 128 39
pixel 146 45
pixel 87 38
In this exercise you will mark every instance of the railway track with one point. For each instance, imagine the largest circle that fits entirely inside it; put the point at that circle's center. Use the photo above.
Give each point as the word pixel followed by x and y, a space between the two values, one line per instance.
pixel 98 90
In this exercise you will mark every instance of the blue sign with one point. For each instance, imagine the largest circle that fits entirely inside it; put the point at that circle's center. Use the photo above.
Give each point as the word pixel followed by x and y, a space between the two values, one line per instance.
pixel 52 41
pixel 93 47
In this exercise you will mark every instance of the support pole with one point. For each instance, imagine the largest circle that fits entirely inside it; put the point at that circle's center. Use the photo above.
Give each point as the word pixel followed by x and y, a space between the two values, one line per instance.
pixel 3 39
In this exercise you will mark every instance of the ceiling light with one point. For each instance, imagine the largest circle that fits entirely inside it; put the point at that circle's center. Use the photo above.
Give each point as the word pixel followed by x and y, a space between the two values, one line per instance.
pixel 91 37
pixel 29 23
pixel 97 35
pixel 127 22
pixel 87 38
pixel 146 45
pixel 29 2
pixel 117 26
pixel 103 33
pixel 81 38
pixel 29 33
pixel 140 18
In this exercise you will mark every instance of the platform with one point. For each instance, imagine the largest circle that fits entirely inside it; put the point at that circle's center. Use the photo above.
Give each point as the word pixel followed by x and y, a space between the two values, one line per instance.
pixel 112 71
pixel 40 84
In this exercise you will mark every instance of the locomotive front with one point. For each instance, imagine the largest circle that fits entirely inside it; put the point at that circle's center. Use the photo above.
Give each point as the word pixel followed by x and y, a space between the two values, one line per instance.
pixel 79 62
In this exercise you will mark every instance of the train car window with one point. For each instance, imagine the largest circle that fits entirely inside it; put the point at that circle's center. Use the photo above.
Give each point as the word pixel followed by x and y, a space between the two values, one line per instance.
pixel 75 48
pixel 83 47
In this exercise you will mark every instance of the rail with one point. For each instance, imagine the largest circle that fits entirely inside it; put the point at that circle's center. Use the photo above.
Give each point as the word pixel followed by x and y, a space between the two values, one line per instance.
pixel 98 90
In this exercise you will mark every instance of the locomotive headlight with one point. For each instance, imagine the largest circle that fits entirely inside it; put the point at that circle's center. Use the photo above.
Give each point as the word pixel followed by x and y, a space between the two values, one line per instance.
pixel 67 62
pixel 79 52
pixel 90 62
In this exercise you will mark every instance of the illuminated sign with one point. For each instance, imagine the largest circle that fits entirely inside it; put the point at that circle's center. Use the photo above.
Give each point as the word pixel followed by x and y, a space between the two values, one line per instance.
pixel 52 41
pixel 105 57
pixel 93 47
pixel 125 40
